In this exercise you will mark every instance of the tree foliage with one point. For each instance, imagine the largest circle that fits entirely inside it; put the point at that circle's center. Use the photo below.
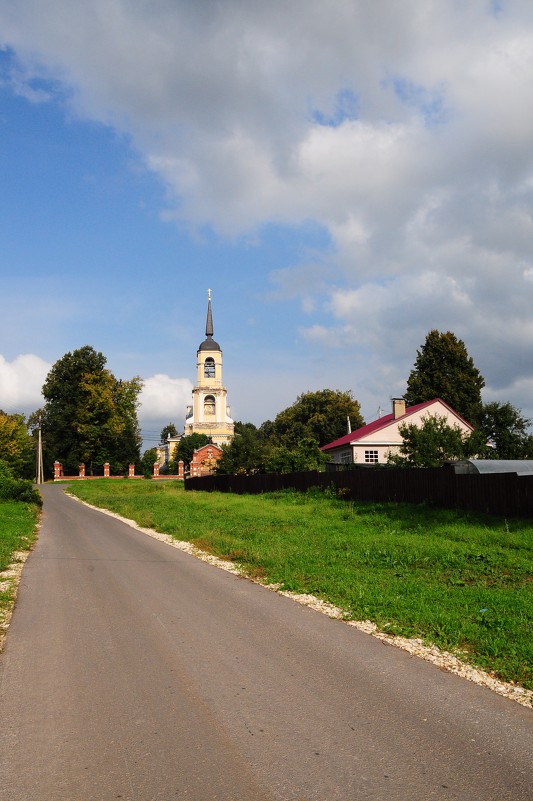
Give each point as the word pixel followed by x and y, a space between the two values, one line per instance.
pixel 432 443
pixel 14 488
pixel 306 455
pixel 248 453
pixel 17 449
pixel 443 369
pixel 148 460
pixel 292 441
pixel 185 449
pixel 506 430
pixel 245 454
pixel 167 431
pixel 320 416
pixel 90 416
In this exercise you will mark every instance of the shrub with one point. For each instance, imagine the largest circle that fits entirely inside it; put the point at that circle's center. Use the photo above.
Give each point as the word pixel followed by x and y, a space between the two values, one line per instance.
pixel 17 489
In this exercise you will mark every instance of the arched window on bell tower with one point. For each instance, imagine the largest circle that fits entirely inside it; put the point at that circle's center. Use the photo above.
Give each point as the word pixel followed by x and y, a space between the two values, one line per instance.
pixel 209 367
pixel 209 405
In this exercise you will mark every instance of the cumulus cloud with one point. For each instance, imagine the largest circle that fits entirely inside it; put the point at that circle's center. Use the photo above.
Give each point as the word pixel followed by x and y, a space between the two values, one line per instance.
pixel 403 130
pixel 164 398
pixel 20 383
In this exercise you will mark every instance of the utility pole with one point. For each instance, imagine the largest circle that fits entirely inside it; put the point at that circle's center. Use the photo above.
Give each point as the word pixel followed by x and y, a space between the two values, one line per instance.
pixel 39 478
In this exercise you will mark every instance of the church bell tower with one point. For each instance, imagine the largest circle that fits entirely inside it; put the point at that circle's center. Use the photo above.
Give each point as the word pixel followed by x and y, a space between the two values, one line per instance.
pixel 209 413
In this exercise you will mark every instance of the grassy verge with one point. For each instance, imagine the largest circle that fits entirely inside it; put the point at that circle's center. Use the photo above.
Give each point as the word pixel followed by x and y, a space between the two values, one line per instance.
pixel 459 580
pixel 17 534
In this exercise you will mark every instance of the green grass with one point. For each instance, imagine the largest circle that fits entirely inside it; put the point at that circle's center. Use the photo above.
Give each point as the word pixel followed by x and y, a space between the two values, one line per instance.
pixel 17 533
pixel 462 581
pixel 17 529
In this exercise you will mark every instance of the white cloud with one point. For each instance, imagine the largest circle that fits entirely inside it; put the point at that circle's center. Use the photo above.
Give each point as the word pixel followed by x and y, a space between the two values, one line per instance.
pixel 164 399
pixel 20 383
pixel 423 180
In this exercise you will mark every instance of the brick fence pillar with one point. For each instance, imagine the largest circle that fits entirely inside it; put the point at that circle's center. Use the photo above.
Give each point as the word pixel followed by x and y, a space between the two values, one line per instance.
pixel 57 470
pixel 106 470
pixel 156 469
pixel 195 465
pixel 82 470
pixel 181 469
pixel 131 471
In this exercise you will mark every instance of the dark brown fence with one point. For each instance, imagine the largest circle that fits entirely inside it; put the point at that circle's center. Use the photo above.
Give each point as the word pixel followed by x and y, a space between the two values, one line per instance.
pixel 496 493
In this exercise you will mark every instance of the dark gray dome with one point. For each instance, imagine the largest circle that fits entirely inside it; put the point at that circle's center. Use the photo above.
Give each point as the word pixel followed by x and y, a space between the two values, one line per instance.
pixel 209 344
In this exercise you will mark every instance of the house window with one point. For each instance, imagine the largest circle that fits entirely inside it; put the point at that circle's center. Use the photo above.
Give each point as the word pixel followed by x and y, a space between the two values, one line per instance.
pixel 346 457
pixel 371 457
pixel 209 368
pixel 209 404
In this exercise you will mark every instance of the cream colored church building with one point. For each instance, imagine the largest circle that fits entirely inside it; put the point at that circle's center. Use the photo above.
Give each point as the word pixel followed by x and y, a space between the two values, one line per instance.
pixel 209 413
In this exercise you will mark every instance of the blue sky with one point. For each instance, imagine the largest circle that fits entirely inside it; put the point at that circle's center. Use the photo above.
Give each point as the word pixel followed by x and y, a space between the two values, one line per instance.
pixel 343 179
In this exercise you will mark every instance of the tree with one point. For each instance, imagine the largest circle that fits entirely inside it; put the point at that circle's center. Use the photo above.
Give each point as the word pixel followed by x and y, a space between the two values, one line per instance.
pixel 245 454
pixel 185 449
pixel 432 444
pixel 169 430
pixel 240 428
pixel 148 460
pixel 129 440
pixel 266 430
pixel 320 416
pixel 506 430
pixel 443 369
pixel 249 453
pixel 17 448
pixel 305 456
pixel 90 416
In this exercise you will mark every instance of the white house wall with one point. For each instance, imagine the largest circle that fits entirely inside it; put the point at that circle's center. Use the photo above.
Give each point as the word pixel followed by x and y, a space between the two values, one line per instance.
pixel 388 439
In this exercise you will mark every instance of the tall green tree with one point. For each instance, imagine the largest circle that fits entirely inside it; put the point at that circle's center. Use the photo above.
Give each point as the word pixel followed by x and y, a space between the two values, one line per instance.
pixel 17 448
pixel 506 429
pixel 89 416
pixel 443 369
pixel 320 416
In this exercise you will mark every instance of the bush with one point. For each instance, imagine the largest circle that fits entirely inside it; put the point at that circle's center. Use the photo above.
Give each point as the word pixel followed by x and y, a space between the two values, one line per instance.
pixel 17 489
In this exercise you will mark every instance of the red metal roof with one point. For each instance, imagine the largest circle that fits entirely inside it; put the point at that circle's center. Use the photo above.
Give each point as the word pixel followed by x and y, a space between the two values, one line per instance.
pixel 383 422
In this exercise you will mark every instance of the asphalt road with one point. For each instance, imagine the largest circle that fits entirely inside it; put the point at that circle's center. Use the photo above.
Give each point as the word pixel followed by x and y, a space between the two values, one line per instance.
pixel 134 671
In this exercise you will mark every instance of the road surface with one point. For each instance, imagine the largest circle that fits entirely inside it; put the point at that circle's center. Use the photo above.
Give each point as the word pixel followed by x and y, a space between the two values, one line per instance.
pixel 134 671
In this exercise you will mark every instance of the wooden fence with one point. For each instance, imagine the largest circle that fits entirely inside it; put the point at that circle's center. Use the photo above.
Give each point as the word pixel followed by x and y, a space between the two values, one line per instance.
pixel 504 494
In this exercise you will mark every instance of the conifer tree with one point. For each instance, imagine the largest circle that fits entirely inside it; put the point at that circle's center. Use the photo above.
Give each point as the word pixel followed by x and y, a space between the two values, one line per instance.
pixel 443 369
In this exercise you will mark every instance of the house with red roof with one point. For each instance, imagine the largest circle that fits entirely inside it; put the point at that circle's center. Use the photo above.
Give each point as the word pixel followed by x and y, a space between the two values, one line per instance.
pixel 372 443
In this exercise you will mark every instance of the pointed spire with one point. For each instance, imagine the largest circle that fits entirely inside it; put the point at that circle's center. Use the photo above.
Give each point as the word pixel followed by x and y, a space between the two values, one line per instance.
pixel 209 322
pixel 209 343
